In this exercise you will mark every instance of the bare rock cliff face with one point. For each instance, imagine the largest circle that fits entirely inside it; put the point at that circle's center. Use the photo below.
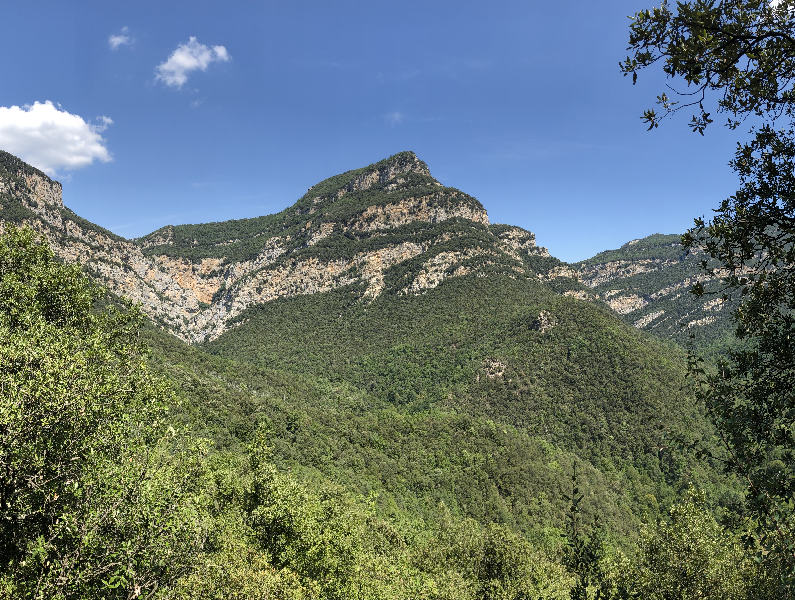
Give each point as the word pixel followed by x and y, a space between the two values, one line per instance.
pixel 647 282
pixel 194 295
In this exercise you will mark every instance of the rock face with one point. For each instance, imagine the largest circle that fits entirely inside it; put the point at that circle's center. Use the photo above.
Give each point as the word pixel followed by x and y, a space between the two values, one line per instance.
pixel 647 282
pixel 389 227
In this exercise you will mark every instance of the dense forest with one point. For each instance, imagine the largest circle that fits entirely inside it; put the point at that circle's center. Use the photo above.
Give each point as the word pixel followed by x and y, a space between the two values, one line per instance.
pixel 138 466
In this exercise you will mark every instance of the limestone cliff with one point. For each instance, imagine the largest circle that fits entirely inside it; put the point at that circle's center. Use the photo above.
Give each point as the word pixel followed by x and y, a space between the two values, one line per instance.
pixel 390 226
pixel 647 282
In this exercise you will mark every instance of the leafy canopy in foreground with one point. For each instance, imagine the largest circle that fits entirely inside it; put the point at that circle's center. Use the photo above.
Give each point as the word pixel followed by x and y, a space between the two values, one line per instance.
pixel 93 492
pixel 740 49
pixel 692 556
pixel 744 50
pixel 99 500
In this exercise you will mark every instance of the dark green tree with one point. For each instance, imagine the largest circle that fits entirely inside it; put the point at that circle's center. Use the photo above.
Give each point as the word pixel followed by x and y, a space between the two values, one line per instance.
pixel 743 51
pixel 95 488
pixel 585 547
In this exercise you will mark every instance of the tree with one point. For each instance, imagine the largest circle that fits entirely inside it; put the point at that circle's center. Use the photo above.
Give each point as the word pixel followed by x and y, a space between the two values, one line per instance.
pixel 690 556
pixel 95 489
pixel 744 51
pixel 584 550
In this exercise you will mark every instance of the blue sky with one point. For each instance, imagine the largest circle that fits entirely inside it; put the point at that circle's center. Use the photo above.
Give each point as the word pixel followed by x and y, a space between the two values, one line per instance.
pixel 520 104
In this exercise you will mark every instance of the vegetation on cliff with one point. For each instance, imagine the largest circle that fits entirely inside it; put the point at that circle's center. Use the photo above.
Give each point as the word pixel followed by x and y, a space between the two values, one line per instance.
pixel 648 282
pixel 340 200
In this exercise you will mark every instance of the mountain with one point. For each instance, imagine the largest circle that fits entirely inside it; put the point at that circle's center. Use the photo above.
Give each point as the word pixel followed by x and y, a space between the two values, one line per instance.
pixel 350 228
pixel 390 338
pixel 647 281
pixel 355 228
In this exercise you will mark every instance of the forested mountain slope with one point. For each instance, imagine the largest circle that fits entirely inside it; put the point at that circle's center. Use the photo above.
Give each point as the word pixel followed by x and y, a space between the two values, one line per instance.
pixel 502 356
pixel 392 339
pixel 647 281
pixel 487 449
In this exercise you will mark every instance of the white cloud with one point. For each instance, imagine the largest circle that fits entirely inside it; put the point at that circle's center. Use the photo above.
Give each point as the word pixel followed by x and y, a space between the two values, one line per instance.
pixel 122 39
pixel 106 122
pixel 50 138
pixel 186 58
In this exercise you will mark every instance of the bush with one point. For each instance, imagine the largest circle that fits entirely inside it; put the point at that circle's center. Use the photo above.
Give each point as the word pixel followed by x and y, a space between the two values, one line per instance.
pixel 95 488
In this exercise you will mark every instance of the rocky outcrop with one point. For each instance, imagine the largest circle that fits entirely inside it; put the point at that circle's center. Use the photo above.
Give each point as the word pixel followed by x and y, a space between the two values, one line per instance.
pixel 647 319
pixel 298 277
pixel 579 294
pixel 409 210
pixel 517 240
pixel 18 177
pixel 563 270
pixel 195 297
pixel 626 303
pixel 408 164
pixel 443 266
pixel 164 237
pixel 599 274
pixel 647 281
pixel 544 322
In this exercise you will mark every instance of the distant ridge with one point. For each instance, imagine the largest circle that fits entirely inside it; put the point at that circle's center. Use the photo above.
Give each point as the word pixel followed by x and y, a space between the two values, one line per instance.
pixel 353 227
pixel 647 281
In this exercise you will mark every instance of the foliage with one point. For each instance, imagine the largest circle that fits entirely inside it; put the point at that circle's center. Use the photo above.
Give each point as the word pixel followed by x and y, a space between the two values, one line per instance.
pixel 102 499
pixel 490 562
pixel 743 50
pixel 585 547
pixel 279 538
pixel 478 467
pixel 691 556
pixel 94 493
pixel 751 396
pixel 470 345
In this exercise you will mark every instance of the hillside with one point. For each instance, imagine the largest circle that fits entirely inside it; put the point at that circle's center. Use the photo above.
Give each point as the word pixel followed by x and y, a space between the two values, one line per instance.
pixel 517 366
pixel 391 339
pixel 647 282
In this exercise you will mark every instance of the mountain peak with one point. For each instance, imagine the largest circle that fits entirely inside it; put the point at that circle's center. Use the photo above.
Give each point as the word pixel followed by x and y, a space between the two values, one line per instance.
pixel 389 228
pixel 402 163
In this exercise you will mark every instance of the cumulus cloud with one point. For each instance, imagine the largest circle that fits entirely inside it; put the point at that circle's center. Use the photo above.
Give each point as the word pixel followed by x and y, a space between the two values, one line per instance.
pixel 122 39
pixel 186 58
pixel 50 138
